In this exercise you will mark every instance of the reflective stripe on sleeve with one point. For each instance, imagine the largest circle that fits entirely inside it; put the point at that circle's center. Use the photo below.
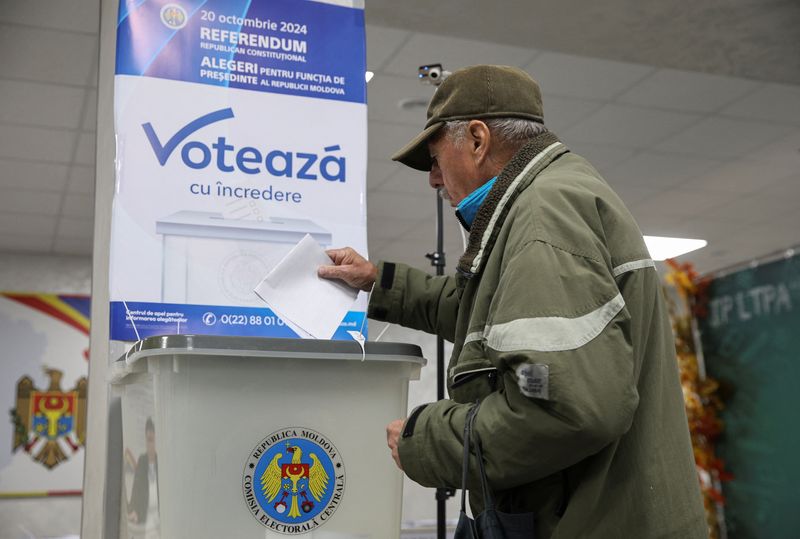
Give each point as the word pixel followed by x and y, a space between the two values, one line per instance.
pixel 552 333
pixel 474 336
pixel 633 265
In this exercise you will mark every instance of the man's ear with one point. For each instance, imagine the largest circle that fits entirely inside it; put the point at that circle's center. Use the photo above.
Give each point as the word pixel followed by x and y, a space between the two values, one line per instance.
pixel 480 139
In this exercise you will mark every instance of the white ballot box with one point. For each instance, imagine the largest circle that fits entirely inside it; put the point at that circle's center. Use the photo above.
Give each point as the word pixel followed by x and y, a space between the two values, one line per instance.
pixel 217 260
pixel 235 437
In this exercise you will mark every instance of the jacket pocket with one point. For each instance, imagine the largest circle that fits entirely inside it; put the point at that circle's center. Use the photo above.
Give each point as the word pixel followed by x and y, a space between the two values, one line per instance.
pixel 473 382
pixel 467 376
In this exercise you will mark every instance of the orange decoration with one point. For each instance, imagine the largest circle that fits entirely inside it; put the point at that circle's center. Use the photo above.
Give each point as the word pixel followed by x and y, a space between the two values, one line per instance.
pixel 701 399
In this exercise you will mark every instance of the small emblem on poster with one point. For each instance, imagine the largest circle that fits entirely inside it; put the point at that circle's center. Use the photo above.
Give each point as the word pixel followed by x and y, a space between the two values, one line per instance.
pixel 174 16
pixel 294 480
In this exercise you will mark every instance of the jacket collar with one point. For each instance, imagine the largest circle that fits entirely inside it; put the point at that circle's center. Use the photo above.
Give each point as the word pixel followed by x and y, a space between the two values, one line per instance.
pixel 515 177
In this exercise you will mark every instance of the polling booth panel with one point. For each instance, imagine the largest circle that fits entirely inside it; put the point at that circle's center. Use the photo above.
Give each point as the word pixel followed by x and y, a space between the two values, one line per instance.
pixel 253 437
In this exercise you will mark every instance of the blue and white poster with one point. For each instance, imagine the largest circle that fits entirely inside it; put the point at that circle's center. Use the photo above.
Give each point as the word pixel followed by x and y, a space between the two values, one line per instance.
pixel 240 127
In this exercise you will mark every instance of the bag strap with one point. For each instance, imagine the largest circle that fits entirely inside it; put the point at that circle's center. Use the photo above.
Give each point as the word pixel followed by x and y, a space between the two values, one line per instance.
pixel 469 425
pixel 488 503
pixel 562 507
pixel 465 462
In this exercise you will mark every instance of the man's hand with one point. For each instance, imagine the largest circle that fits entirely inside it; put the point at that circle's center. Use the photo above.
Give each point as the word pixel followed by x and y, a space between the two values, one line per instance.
pixel 393 431
pixel 350 267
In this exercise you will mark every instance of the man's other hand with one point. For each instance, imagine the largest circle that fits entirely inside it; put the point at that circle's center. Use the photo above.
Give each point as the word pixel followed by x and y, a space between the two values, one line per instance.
pixel 393 431
pixel 350 267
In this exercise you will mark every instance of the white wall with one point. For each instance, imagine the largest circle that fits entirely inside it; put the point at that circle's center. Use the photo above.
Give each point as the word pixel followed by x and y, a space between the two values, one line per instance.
pixel 43 273
pixel 42 517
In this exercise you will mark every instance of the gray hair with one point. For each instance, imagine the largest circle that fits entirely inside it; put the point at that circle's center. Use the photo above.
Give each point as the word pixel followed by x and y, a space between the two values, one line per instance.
pixel 509 131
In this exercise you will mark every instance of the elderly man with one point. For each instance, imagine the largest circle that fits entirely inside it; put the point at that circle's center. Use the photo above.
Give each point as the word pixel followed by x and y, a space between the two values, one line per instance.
pixel 558 325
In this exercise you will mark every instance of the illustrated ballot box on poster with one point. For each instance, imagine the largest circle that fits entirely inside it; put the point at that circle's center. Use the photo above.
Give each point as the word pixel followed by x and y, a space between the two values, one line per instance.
pixel 252 437
pixel 218 260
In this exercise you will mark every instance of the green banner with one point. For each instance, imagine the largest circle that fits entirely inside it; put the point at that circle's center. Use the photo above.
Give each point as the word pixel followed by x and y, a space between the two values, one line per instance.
pixel 751 340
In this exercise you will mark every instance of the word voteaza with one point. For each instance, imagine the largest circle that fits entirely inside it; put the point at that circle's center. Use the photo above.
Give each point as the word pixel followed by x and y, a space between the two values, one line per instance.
pixel 249 160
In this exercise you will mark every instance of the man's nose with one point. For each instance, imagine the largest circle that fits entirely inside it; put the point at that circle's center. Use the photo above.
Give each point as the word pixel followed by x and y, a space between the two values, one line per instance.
pixel 435 179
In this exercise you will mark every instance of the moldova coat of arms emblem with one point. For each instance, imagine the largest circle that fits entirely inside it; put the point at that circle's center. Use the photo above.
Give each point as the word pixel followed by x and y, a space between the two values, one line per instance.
pixel 49 424
pixel 294 480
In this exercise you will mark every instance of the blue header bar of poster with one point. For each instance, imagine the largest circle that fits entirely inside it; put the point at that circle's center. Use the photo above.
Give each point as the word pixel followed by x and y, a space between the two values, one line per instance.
pixel 294 47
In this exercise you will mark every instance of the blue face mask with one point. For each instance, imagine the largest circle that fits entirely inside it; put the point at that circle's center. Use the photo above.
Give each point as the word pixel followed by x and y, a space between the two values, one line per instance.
pixel 467 209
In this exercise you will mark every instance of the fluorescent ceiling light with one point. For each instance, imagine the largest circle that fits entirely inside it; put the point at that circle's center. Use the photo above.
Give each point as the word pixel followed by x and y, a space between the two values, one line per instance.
pixel 662 248
pixel 368 75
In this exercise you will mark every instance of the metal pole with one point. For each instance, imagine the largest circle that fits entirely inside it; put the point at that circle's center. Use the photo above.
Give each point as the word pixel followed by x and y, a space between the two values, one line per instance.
pixel 437 259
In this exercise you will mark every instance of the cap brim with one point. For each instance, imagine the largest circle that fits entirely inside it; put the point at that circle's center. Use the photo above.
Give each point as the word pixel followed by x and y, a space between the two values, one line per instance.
pixel 415 154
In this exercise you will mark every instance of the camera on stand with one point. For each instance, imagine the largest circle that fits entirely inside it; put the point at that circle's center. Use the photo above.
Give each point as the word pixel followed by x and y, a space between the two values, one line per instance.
pixel 432 74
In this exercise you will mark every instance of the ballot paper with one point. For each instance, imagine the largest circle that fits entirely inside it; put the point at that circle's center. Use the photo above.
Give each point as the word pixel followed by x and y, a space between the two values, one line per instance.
pixel 311 306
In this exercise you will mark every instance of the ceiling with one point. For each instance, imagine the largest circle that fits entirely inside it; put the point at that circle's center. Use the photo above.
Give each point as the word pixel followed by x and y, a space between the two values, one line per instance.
pixel 693 151
pixel 756 39
pixel 48 72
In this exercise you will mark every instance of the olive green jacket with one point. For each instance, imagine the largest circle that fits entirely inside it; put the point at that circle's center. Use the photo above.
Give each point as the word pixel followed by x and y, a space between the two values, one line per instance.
pixel 560 330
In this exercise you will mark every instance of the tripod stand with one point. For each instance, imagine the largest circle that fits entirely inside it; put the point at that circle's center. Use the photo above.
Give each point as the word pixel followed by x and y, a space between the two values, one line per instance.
pixel 437 259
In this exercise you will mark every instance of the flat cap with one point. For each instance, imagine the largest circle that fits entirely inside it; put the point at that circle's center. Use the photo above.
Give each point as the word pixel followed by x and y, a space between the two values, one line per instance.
pixel 476 92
